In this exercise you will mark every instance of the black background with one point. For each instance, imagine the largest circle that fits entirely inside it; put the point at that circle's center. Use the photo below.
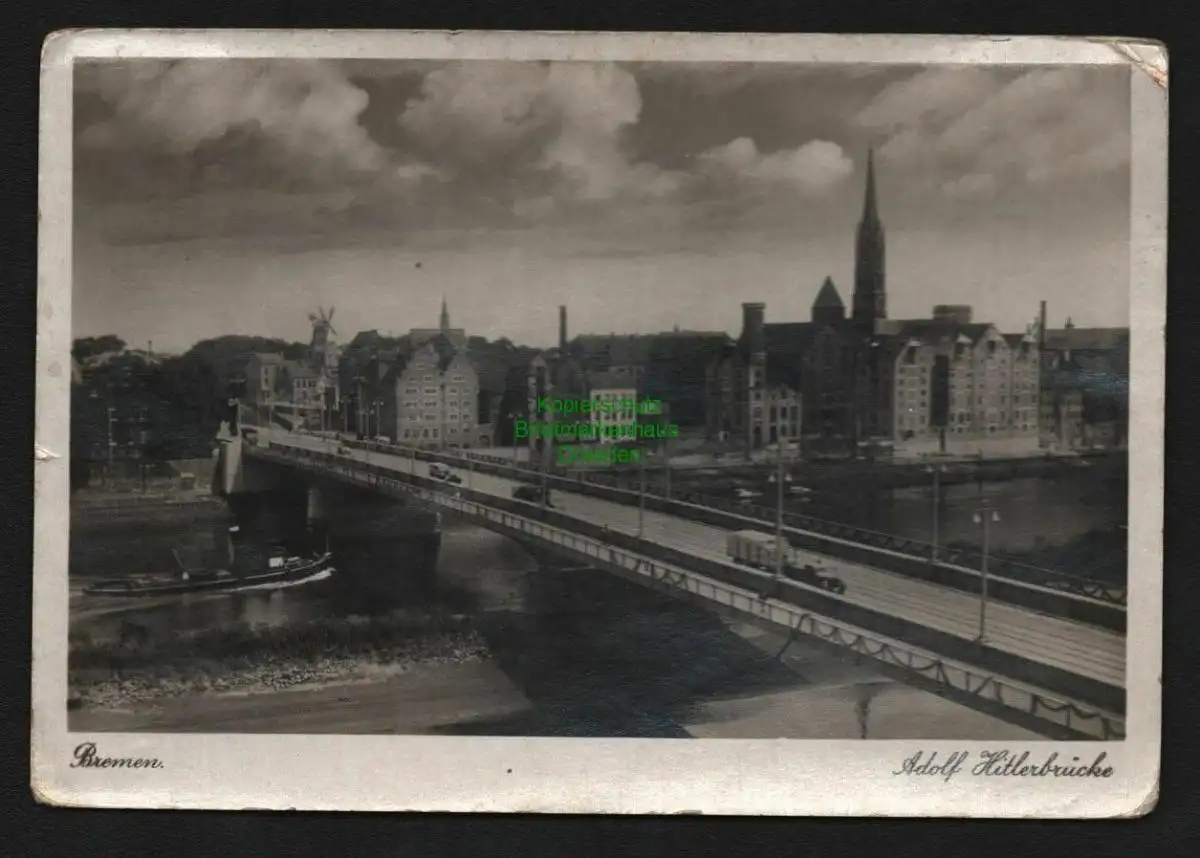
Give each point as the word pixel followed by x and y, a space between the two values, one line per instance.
pixel 29 829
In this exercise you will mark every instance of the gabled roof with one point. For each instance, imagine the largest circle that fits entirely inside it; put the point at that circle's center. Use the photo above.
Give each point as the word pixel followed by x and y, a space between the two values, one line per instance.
pixel 445 349
pixel 1086 339
pixel 930 330
pixel 614 349
pixel 610 380
pixel 298 369
pixel 790 339
pixel 828 296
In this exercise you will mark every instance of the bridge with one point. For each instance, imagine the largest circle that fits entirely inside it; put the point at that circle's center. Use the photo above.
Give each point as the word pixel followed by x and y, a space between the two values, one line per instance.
pixel 1052 661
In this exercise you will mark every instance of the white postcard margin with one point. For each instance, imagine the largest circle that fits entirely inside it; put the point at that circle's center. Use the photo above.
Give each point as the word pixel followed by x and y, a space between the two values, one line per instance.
pixel 777 777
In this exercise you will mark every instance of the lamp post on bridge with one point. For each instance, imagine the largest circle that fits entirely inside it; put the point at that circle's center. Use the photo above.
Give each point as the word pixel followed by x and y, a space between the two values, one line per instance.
pixel 937 471
pixel 985 515
pixel 545 457
pixel 779 478
pixel 641 493
pixel 667 487
pixel 512 419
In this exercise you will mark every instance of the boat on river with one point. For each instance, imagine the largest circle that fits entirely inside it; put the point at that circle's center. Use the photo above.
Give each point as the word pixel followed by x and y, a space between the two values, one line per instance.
pixel 279 570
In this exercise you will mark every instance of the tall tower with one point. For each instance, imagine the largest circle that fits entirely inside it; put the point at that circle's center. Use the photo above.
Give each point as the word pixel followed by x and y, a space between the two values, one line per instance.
pixel 870 295
pixel 444 323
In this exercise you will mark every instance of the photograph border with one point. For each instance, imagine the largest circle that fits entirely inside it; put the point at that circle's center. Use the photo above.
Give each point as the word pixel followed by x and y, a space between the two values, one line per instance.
pixel 554 775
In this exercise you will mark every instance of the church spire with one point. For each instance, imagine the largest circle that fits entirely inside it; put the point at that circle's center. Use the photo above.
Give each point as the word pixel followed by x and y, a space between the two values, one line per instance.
pixel 870 204
pixel 870 295
pixel 444 323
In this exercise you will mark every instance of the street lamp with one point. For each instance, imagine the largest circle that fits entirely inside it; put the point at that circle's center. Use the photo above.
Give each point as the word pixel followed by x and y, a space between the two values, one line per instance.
pixel 778 479
pixel 545 456
pixel 641 493
pixel 512 419
pixel 937 471
pixel 985 516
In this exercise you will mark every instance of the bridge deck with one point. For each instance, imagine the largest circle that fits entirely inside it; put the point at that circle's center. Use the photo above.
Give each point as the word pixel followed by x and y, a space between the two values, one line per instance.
pixel 1085 650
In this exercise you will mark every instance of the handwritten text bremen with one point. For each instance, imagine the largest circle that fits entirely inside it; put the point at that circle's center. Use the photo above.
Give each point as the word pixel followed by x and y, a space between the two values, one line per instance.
pixel 86 757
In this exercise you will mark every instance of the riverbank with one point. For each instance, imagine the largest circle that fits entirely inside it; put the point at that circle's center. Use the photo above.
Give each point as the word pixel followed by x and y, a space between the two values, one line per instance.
pixel 1100 554
pixel 857 475
pixel 137 666
pixel 114 534
pixel 828 699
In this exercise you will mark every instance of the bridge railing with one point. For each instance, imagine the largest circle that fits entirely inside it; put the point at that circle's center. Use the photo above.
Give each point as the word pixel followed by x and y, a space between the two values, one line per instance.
pixel 1068 596
pixel 694 577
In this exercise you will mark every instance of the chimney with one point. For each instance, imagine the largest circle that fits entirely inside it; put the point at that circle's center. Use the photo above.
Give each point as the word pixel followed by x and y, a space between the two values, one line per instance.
pixel 753 337
pixel 562 329
pixel 958 313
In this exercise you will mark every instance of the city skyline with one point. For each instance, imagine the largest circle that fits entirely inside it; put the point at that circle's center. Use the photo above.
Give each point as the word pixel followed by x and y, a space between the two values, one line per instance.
pixel 233 196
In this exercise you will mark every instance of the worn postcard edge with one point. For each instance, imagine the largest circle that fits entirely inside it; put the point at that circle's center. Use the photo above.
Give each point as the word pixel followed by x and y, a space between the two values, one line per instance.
pixel 777 777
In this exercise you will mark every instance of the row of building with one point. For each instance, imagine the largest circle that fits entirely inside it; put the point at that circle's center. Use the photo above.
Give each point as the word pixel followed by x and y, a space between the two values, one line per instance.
pixel 425 389
pixel 836 383
pixel 945 383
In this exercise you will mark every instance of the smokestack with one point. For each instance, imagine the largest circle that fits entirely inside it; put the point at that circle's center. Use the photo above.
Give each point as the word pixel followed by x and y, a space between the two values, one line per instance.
pixel 562 328
pixel 753 338
pixel 958 313
pixel 1042 327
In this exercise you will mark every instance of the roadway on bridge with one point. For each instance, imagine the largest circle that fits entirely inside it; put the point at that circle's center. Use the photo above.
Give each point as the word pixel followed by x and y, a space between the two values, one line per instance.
pixel 1085 650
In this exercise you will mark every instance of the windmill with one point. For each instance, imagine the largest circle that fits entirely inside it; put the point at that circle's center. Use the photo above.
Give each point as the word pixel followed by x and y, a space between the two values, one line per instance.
pixel 323 349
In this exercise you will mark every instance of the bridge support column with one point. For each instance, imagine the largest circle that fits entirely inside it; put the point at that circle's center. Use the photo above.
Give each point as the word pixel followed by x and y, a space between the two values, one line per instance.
pixel 317 509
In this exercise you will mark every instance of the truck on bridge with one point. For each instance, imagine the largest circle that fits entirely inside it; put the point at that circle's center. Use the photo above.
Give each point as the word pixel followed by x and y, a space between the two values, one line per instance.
pixel 758 550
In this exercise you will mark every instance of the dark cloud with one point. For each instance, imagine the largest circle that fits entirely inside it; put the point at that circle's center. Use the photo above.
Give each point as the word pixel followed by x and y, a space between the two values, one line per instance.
pixel 296 147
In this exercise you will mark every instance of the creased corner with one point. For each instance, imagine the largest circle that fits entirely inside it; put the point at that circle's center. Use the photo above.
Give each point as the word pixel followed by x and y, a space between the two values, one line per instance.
pixel 41 454
pixel 1155 66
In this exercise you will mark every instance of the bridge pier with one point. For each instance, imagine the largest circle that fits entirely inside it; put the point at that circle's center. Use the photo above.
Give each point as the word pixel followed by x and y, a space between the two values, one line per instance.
pixel 316 508
pixel 381 546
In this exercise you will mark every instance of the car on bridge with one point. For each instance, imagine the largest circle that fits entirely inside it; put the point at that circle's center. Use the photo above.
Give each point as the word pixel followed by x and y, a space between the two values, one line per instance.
pixel 757 550
pixel 532 494
pixel 744 495
pixel 438 471
pixel 814 577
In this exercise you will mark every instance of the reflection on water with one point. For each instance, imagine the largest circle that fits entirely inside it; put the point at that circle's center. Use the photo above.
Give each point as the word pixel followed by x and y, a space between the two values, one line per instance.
pixel 475 569
pixel 1033 512
pixel 593 655
pixel 479 571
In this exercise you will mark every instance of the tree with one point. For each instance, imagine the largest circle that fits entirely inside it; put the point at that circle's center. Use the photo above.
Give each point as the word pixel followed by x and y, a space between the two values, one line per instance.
pixel 85 348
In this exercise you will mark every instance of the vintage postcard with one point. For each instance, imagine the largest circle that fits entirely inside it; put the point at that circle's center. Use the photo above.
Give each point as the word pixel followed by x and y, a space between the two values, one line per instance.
pixel 603 423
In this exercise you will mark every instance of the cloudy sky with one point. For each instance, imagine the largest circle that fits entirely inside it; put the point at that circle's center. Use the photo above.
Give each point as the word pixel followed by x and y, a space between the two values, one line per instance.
pixel 234 196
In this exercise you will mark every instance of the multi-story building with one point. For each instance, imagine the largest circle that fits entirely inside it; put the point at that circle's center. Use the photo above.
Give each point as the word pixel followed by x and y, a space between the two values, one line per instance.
pixel 431 393
pixel 616 394
pixel 754 399
pixel 1084 387
pixel 868 378
pixel 949 379
pixel 304 392
pixel 261 372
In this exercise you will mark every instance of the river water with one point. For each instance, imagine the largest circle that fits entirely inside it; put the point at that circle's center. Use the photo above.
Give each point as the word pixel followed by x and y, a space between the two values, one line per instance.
pixel 1034 513
pixel 594 655
pixel 591 655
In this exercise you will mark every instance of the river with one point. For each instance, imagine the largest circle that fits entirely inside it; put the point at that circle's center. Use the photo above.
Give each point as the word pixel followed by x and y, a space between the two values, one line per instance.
pixel 573 652
pixel 1034 513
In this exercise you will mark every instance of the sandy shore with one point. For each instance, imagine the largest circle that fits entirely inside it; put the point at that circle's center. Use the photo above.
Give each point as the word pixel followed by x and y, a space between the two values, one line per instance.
pixel 476 696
